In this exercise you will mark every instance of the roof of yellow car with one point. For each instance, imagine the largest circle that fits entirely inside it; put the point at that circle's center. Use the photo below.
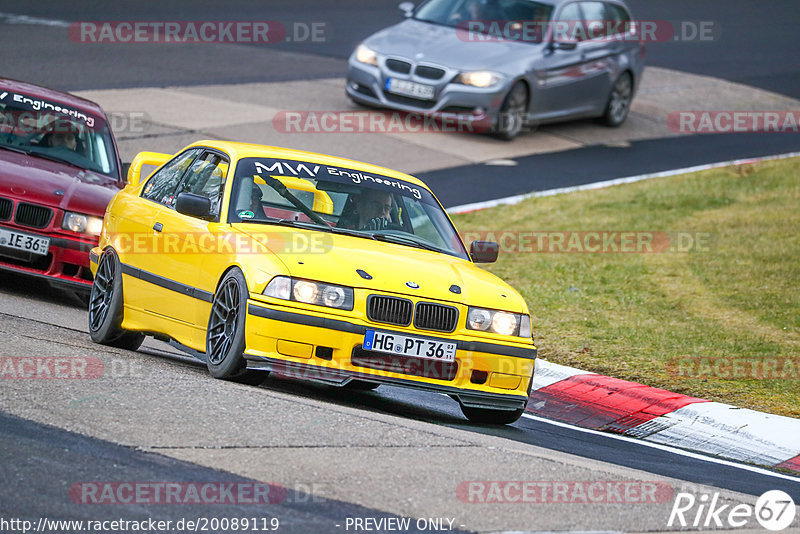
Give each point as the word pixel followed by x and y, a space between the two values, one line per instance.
pixel 248 150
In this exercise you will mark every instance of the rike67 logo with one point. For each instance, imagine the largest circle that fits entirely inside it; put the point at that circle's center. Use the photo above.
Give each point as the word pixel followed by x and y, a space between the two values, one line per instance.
pixel 774 510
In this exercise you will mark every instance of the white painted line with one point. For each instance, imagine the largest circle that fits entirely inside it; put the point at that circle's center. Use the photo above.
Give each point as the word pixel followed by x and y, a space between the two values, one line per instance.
pixel 666 448
pixel 11 18
pixel 516 199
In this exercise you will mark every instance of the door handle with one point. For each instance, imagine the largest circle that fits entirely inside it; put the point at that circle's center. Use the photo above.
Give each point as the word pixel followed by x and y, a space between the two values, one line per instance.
pixel 158 227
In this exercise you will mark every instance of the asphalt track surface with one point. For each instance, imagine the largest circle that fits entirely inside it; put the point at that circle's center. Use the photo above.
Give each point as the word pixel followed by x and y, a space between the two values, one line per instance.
pixel 757 46
pixel 456 186
pixel 754 43
pixel 43 462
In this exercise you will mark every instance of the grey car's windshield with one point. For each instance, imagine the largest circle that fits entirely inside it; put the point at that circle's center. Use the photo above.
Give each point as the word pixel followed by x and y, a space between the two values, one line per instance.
pixel 57 132
pixel 489 16
pixel 341 200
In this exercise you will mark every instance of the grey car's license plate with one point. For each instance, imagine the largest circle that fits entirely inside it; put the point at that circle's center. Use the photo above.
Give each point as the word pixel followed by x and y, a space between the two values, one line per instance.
pixel 416 347
pixel 412 89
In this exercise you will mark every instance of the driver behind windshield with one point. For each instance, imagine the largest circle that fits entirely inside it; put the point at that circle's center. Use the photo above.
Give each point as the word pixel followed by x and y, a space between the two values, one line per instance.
pixel 66 139
pixel 371 211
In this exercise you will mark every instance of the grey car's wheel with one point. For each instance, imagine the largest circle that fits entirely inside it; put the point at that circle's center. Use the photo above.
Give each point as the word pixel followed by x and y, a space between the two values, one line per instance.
pixel 511 118
pixel 489 416
pixel 106 306
pixel 225 334
pixel 619 102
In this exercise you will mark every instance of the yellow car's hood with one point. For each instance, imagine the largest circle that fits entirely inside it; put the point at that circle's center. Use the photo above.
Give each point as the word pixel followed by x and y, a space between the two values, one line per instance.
pixel 393 268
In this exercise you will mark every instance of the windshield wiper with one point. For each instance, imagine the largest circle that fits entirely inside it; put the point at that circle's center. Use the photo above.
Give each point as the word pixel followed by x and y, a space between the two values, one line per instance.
pixel 15 149
pixel 51 157
pixel 324 228
pixel 283 191
pixel 434 22
pixel 405 240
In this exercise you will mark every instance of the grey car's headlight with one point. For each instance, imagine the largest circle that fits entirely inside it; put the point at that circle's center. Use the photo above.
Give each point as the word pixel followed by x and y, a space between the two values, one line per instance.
pixel 366 55
pixel 83 224
pixel 309 292
pixel 499 322
pixel 479 78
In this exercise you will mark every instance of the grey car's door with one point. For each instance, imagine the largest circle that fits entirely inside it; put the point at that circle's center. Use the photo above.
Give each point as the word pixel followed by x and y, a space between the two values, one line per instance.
pixel 571 75
pixel 598 53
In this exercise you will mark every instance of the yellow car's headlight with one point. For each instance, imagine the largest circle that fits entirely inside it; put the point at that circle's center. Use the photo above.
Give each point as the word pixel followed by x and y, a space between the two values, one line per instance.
pixel 499 322
pixel 366 55
pixel 479 78
pixel 309 292
pixel 82 224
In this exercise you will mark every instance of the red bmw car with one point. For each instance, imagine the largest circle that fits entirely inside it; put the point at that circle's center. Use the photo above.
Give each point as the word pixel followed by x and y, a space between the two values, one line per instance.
pixel 59 168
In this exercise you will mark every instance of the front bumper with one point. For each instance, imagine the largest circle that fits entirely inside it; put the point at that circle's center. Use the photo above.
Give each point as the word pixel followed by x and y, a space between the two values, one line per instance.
pixel 326 348
pixel 366 85
pixel 66 263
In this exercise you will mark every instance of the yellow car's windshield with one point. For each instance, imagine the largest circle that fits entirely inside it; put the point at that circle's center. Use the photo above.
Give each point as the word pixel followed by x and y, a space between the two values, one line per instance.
pixel 271 191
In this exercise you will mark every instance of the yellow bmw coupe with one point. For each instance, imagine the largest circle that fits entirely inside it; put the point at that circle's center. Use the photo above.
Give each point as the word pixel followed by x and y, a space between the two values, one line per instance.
pixel 311 266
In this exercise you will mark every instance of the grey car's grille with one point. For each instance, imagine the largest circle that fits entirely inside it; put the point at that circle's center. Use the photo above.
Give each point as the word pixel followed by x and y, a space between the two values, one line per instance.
pixel 432 73
pixel 6 207
pixel 32 215
pixel 389 310
pixel 403 67
pixel 430 316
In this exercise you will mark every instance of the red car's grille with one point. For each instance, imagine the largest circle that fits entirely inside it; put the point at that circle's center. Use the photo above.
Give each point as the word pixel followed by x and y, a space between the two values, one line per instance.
pixel 6 208
pixel 33 215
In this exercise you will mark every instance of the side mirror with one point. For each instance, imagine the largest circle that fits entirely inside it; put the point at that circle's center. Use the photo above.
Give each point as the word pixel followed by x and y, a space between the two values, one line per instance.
pixel 144 158
pixel 193 205
pixel 484 251
pixel 407 8
pixel 564 45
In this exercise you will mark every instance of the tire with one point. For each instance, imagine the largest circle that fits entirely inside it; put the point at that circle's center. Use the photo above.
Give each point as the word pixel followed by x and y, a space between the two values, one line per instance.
pixel 106 303
pixel 489 416
pixel 511 118
pixel 619 101
pixel 360 385
pixel 225 333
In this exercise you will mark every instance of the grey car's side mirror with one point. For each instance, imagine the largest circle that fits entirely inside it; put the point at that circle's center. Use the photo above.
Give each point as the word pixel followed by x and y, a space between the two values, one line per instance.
pixel 407 8
pixel 564 45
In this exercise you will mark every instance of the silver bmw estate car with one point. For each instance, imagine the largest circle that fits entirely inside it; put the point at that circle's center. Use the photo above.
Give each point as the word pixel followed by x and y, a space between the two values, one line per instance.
pixel 505 63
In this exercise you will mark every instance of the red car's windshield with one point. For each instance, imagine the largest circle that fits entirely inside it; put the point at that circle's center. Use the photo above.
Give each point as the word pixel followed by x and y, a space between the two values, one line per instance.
pixel 58 132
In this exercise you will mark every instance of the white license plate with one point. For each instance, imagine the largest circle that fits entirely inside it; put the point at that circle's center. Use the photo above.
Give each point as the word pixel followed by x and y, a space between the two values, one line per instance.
pixel 412 89
pixel 416 347
pixel 25 242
